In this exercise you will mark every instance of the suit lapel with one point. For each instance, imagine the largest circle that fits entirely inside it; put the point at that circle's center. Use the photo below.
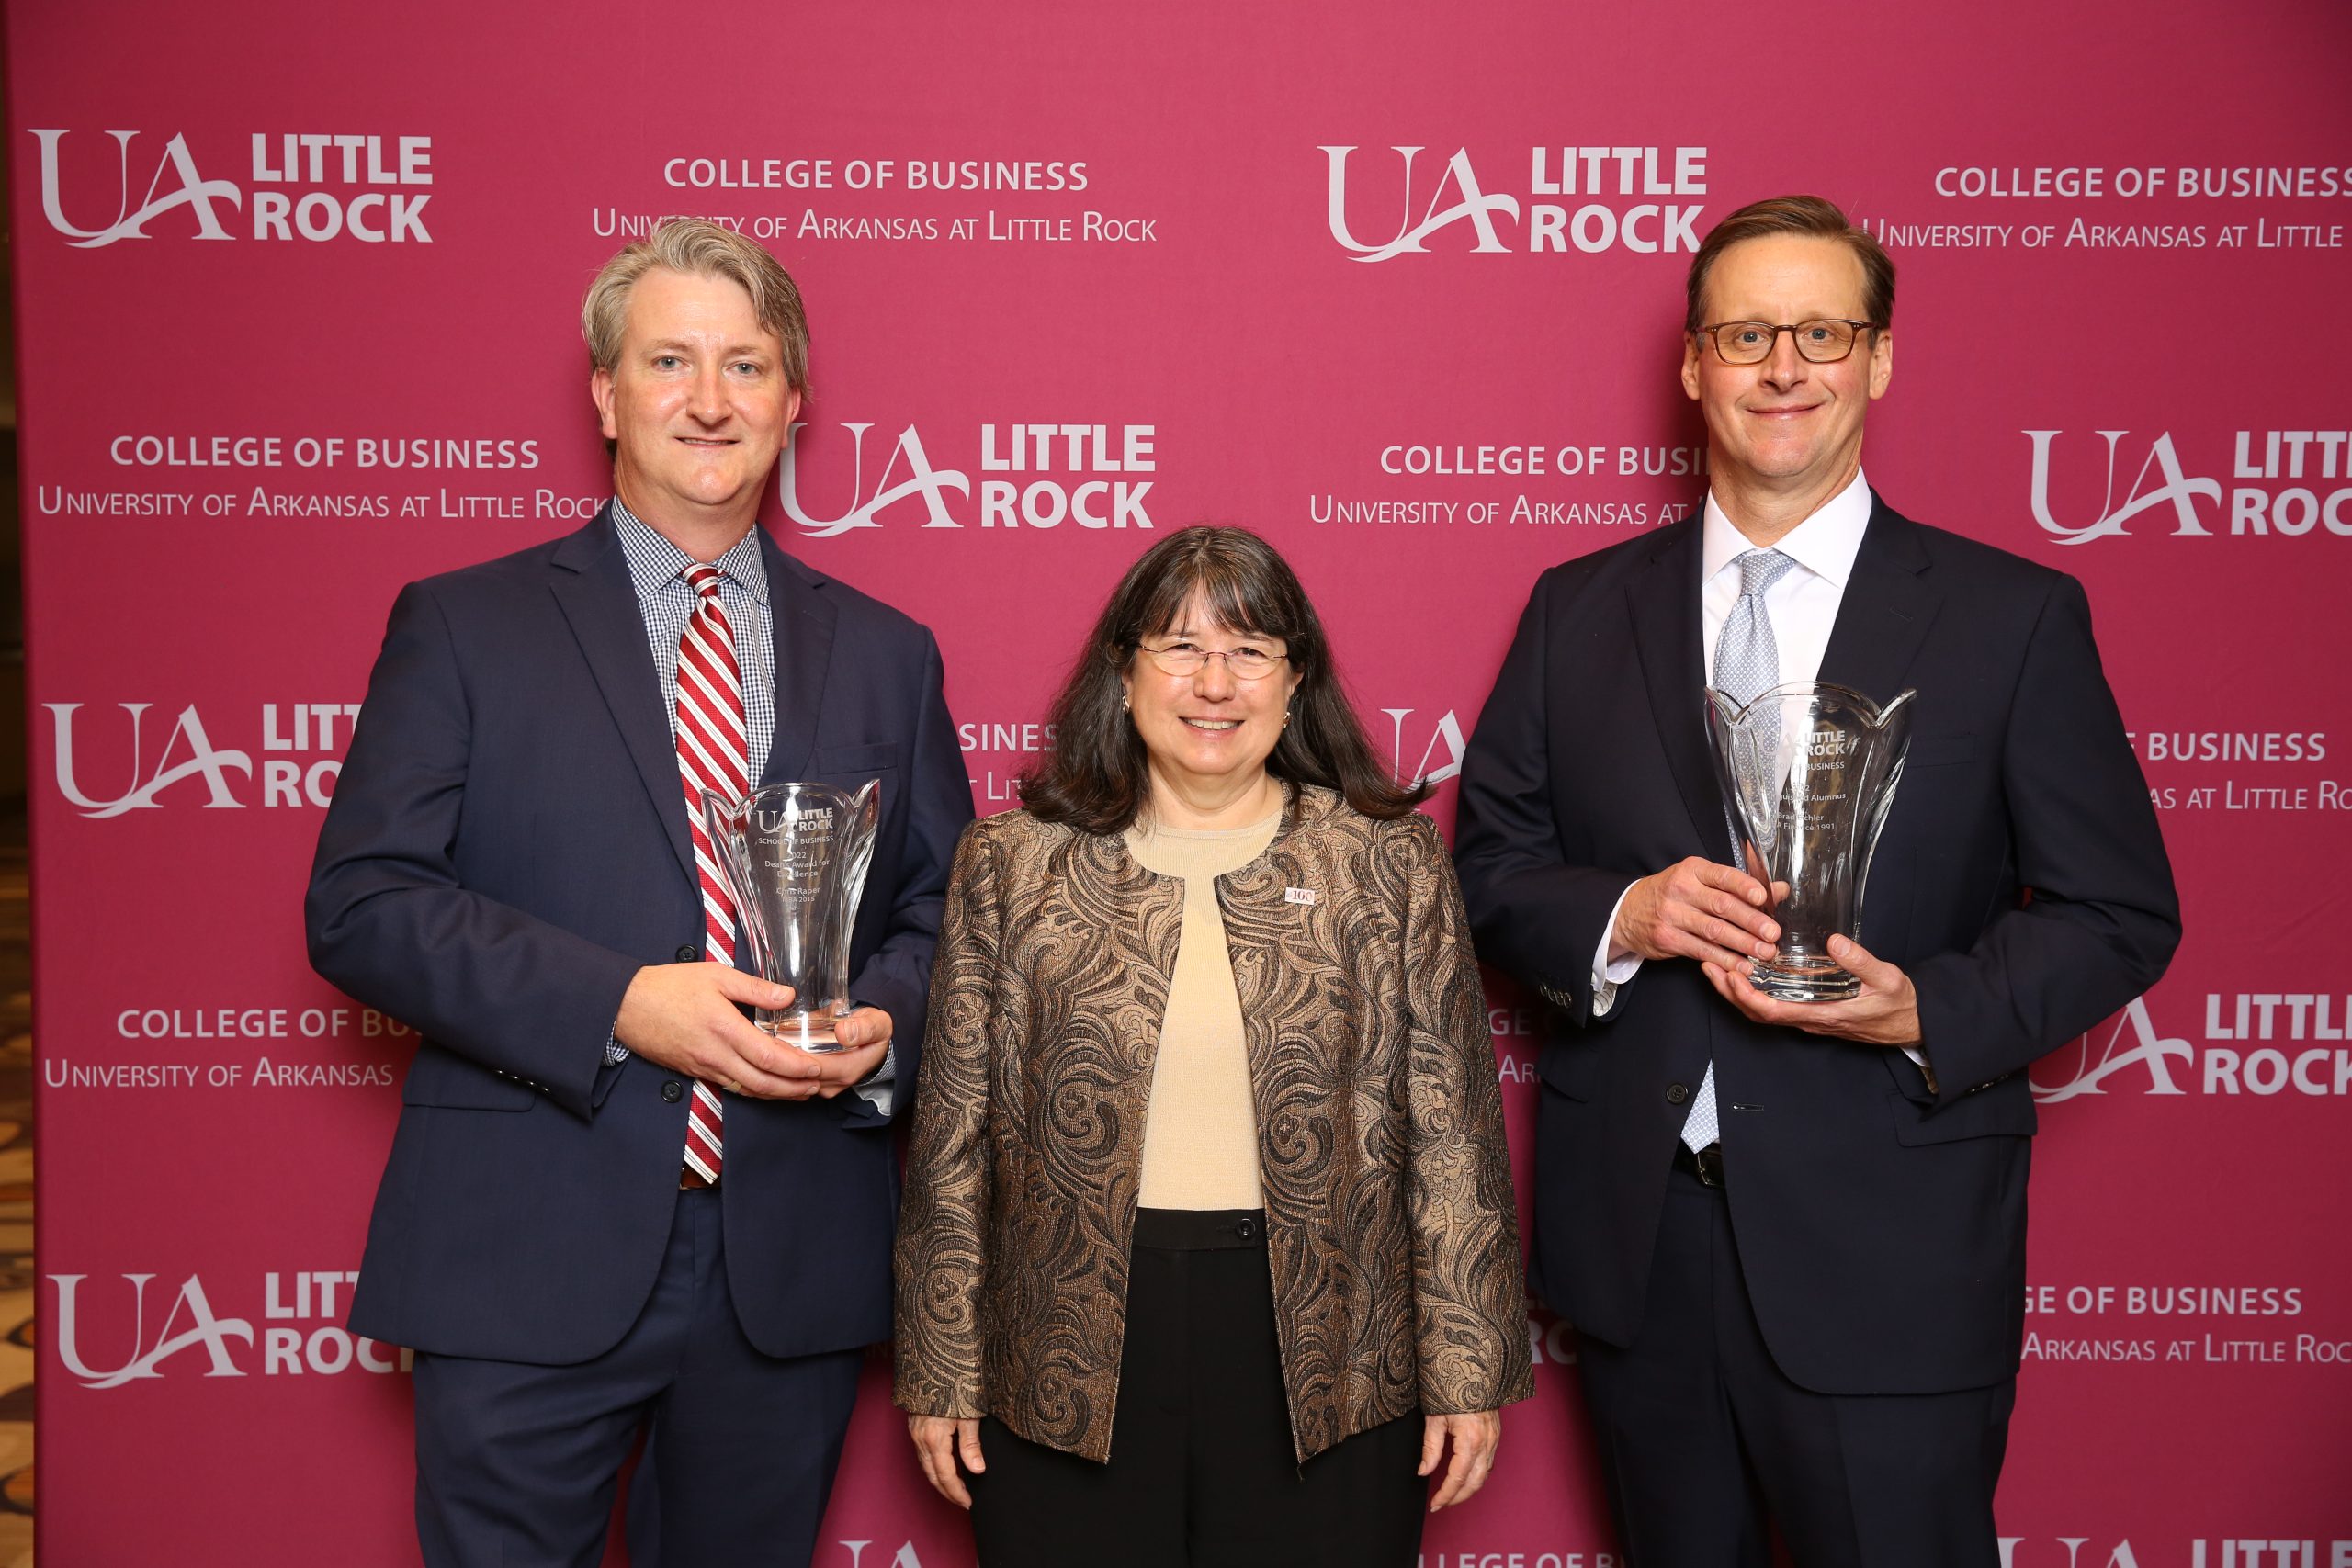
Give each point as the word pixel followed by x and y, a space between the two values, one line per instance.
pixel 592 587
pixel 1663 602
pixel 1886 609
pixel 800 616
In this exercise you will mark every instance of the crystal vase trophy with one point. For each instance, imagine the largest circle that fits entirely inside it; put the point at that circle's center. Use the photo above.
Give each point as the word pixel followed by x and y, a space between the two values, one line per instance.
pixel 794 858
pixel 1810 770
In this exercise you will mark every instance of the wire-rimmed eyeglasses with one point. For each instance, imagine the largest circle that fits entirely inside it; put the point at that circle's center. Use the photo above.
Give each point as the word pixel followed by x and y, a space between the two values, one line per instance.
pixel 1191 658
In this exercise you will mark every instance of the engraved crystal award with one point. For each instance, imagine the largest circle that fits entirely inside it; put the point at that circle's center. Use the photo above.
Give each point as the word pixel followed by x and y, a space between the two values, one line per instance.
pixel 794 858
pixel 1809 771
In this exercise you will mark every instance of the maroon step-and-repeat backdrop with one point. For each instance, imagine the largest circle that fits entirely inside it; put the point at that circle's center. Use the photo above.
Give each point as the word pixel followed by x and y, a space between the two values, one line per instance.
pixel 1399 285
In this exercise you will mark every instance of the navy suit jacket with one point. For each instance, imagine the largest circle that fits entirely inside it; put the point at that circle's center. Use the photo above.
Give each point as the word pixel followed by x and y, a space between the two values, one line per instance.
pixel 507 846
pixel 2020 882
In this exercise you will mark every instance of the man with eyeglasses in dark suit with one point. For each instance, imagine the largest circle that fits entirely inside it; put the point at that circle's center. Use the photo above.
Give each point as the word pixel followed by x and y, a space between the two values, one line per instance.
pixel 1791 1235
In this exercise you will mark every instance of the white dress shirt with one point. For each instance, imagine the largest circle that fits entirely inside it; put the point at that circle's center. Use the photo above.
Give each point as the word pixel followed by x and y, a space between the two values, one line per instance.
pixel 1803 605
pixel 658 570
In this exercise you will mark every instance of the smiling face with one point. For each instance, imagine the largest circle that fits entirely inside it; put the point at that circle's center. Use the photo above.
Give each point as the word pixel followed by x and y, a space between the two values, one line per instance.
pixel 1207 734
pixel 1785 430
pixel 697 405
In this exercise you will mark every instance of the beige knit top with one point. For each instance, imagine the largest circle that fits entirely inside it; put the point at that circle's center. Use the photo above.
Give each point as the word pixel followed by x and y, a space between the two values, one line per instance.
pixel 1200 1140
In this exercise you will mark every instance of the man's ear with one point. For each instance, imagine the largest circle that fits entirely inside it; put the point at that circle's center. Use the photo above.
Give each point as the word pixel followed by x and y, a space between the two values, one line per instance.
pixel 600 392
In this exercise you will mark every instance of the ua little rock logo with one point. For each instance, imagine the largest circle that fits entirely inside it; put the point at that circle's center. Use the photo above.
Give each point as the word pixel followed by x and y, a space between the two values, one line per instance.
pixel 187 752
pixel 205 1331
pixel 1470 205
pixel 906 473
pixel 2261 1045
pixel 101 1317
pixel 2065 1552
pixel 1495 223
pixel 1441 753
pixel 1078 474
pixel 2173 498
pixel 305 185
pixel 110 760
pixel 2290 482
pixel 2133 1043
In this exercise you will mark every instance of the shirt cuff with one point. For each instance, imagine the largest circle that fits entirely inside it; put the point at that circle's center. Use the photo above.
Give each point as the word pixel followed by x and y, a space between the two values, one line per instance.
pixel 1607 975
pixel 876 1087
pixel 1919 1060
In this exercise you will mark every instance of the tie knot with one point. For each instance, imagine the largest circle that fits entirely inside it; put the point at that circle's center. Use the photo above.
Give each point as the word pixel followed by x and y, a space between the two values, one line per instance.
pixel 1758 569
pixel 703 580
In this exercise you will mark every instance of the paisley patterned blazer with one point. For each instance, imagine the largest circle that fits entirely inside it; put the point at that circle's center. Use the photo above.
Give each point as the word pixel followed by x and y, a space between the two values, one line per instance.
pixel 1389 1216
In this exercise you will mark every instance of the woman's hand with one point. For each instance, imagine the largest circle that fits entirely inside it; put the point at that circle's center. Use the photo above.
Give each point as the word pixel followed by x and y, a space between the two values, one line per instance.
pixel 1475 1438
pixel 940 1439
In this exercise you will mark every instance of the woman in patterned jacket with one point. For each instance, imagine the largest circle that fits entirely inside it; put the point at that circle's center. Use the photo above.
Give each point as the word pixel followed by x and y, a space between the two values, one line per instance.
pixel 1208 1253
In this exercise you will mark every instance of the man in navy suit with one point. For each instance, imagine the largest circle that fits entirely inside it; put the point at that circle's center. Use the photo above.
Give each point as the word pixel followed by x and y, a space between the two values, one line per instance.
pixel 509 866
pixel 1791 1236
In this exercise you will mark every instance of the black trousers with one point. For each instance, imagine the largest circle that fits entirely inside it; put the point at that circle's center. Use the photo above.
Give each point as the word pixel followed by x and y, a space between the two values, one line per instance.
pixel 1702 1437
pixel 1202 1469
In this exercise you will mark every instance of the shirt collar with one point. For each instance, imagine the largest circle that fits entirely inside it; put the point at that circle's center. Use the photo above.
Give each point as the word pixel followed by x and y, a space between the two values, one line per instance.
pixel 654 563
pixel 1824 544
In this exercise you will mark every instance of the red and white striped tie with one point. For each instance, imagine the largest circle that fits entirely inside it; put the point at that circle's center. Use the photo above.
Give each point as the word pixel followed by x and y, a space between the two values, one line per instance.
pixel 713 752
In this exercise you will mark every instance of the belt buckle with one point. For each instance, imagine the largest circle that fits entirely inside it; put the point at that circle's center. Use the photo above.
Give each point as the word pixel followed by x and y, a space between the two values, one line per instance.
pixel 1709 1165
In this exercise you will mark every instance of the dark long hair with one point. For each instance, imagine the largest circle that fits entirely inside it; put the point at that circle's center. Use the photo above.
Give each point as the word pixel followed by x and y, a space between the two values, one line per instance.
pixel 1096 778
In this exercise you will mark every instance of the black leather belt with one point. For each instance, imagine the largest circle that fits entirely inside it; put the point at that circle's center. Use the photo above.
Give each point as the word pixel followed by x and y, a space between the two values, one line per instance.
pixel 1707 1163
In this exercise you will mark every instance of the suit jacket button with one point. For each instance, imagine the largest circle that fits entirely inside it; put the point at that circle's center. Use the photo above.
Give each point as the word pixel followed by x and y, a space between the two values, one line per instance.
pixel 688 954
pixel 673 1091
pixel 1677 1093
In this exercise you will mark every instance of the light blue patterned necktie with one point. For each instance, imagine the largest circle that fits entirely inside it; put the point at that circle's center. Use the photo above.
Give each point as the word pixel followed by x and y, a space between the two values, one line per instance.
pixel 1747 661
pixel 1747 664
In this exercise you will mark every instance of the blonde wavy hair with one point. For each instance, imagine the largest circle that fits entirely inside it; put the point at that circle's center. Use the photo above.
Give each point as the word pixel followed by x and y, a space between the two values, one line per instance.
pixel 699 249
